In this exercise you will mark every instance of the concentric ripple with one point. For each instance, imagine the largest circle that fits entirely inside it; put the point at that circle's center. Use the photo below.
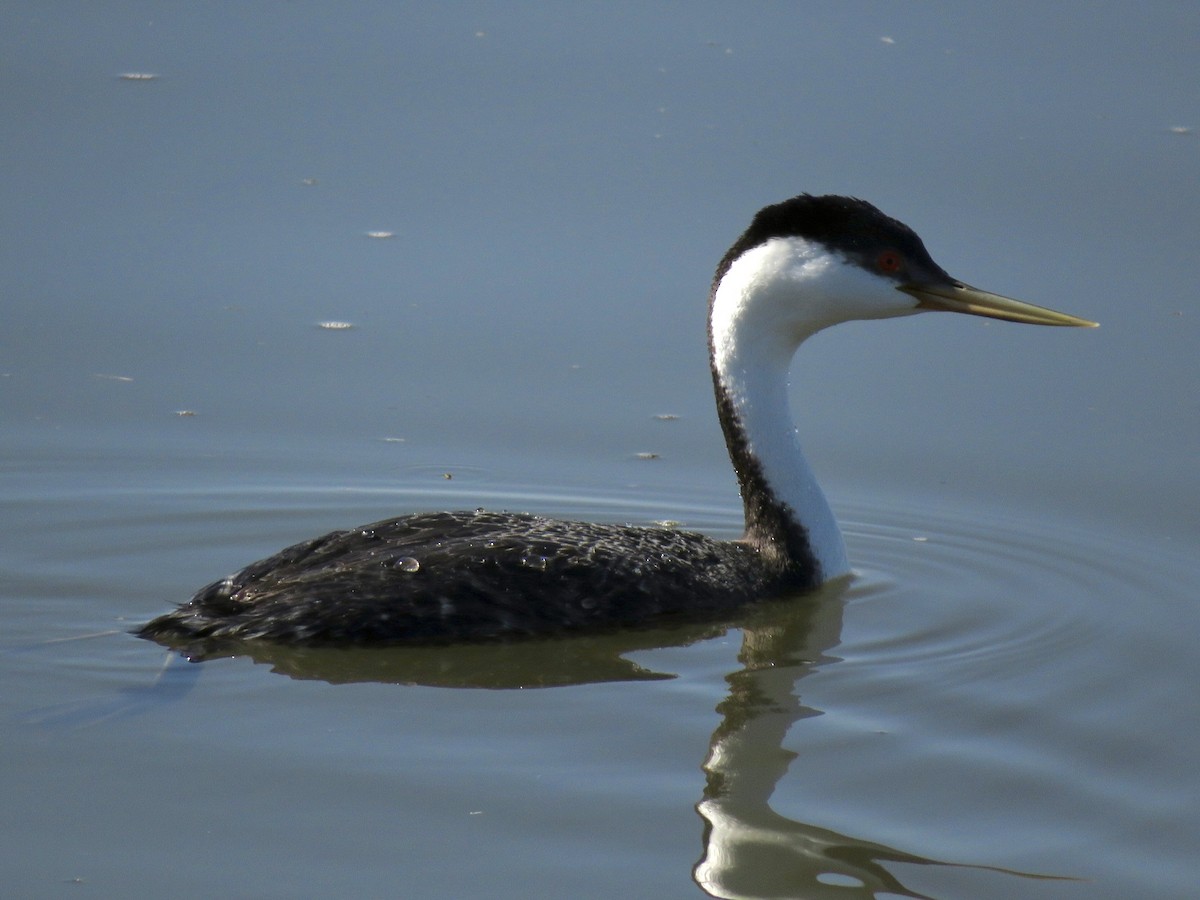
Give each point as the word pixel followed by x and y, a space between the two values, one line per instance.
pixel 993 589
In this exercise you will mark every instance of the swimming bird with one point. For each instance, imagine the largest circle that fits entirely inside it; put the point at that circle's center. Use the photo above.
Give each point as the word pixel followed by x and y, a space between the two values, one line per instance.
pixel 801 266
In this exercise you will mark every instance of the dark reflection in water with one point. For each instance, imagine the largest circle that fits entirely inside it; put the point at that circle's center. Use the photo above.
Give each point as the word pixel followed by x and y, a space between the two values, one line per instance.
pixel 749 850
pixel 524 664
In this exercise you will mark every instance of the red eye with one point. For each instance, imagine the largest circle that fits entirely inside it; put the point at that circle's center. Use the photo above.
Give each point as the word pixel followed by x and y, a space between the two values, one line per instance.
pixel 889 261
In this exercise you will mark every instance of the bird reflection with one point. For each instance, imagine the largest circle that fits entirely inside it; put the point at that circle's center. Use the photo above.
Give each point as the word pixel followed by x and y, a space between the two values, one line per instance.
pixel 749 850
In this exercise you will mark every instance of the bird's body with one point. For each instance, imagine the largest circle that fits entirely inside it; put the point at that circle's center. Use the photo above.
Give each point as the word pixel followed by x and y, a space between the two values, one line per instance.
pixel 803 265
pixel 491 574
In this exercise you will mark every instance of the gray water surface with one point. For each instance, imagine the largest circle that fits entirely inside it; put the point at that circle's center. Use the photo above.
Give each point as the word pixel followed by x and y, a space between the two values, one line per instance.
pixel 1000 704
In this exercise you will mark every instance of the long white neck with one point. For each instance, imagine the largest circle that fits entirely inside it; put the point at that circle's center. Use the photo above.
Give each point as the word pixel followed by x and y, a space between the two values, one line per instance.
pixel 755 329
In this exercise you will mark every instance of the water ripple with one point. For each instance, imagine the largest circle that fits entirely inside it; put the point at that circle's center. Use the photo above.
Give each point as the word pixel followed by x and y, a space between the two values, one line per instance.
pixel 994 589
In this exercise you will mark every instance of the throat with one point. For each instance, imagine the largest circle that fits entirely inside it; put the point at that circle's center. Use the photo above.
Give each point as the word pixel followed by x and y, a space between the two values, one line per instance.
pixel 788 517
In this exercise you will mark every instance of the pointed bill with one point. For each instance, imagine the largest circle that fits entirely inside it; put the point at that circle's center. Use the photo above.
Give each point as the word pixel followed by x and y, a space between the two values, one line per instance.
pixel 955 296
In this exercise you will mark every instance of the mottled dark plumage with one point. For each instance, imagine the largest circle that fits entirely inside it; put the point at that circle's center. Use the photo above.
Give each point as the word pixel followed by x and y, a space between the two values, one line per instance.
pixel 478 575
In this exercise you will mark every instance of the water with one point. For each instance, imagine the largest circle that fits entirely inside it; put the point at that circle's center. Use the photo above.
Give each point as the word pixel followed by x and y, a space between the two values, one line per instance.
pixel 998 705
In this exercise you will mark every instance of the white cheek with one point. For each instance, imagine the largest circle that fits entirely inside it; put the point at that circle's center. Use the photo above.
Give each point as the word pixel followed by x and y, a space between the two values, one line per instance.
pixel 761 301
pixel 789 288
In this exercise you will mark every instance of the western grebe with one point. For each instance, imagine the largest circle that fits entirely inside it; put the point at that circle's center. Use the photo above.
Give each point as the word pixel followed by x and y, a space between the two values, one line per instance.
pixel 802 265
